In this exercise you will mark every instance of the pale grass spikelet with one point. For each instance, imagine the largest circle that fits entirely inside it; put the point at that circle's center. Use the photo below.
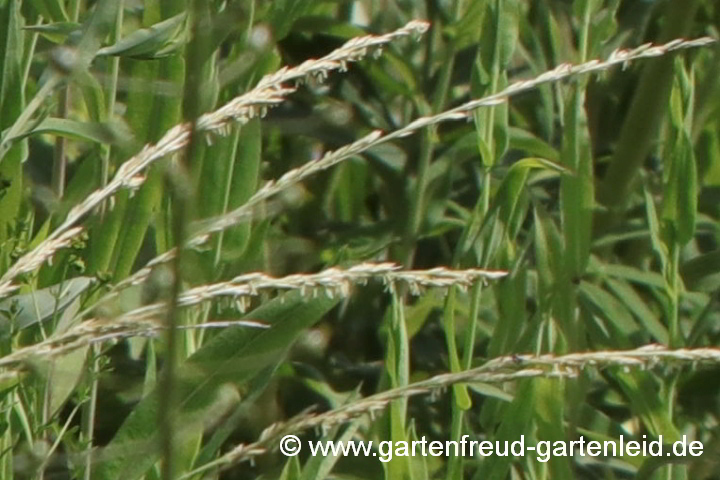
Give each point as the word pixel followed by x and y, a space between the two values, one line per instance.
pixel 177 138
pixel 332 281
pixel 269 92
pixel 272 88
pixel 375 138
pixel 499 370
pixel 101 330
pixel 143 321
pixel 461 112
pixel 32 260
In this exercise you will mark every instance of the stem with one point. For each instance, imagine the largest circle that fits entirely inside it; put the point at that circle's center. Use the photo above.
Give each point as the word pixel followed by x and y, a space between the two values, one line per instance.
pixel 167 403
pixel 181 187
pixel 59 169
pixel 113 73
pixel 676 340
pixel 90 409
pixel 426 154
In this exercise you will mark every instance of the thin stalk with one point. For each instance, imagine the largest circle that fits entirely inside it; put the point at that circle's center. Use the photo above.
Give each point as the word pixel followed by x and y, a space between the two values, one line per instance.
pixel 31 50
pixel 167 402
pixel 675 338
pixel 90 408
pixel 458 415
pixel 181 188
pixel 111 93
pixel 455 467
pixel 567 312
pixel 6 467
pixel 59 438
pixel 226 198
pixel 59 170
pixel 427 149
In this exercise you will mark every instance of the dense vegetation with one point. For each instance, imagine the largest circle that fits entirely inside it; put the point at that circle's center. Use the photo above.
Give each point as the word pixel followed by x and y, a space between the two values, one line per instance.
pixel 222 222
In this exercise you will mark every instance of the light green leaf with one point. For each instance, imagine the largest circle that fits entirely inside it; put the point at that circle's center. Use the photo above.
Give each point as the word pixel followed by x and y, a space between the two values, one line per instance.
pixel 646 401
pixel 550 416
pixel 319 467
pixel 42 305
pixel 614 312
pixel 291 470
pixel 511 189
pixel 233 357
pixel 12 103
pixel 51 9
pixel 56 32
pixel 636 304
pixel 577 191
pixel 115 134
pixel 157 41
pixel 515 420
pixel 536 147
pixel 681 191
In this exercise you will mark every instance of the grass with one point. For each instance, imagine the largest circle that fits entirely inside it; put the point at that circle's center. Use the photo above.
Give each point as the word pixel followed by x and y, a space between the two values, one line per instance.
pixel 226 222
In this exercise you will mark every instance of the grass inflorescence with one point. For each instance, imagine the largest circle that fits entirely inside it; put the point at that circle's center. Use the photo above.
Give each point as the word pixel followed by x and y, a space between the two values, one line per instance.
pixel 222 223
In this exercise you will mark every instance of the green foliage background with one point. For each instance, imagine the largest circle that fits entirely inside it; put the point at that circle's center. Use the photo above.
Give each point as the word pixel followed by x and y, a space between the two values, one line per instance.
pixel 597 194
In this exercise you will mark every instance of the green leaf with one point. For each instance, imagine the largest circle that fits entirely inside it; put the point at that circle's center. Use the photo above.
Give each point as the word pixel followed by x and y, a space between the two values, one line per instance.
pixel 68 370
pixel 530 144
pixel 114 134
pixel 51 9
pixel 56 32
pixel 659 247
pixel 419 469
pixel 512 187
pixel 636 304
pixel 626 272
pixel 681 191
pixel 465 31
pixel 460 393
pixel 499 34
pixel 550 416
pixel 12 103
pixel 233 357
pixel 641 389
pixel 157 41
pixel 577 191
pixel 291 470
pixel 319 467
pixel 398 370
pixel 515 420
pixel 613 311
pixel 284 13
pixel 543 253
pixel 41 305
pixel 491 391
pixel 94 98
pixel 244 174
pixel 138 213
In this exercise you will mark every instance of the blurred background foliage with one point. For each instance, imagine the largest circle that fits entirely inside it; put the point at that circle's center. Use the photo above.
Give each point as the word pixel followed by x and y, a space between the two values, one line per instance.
pixel 599 195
